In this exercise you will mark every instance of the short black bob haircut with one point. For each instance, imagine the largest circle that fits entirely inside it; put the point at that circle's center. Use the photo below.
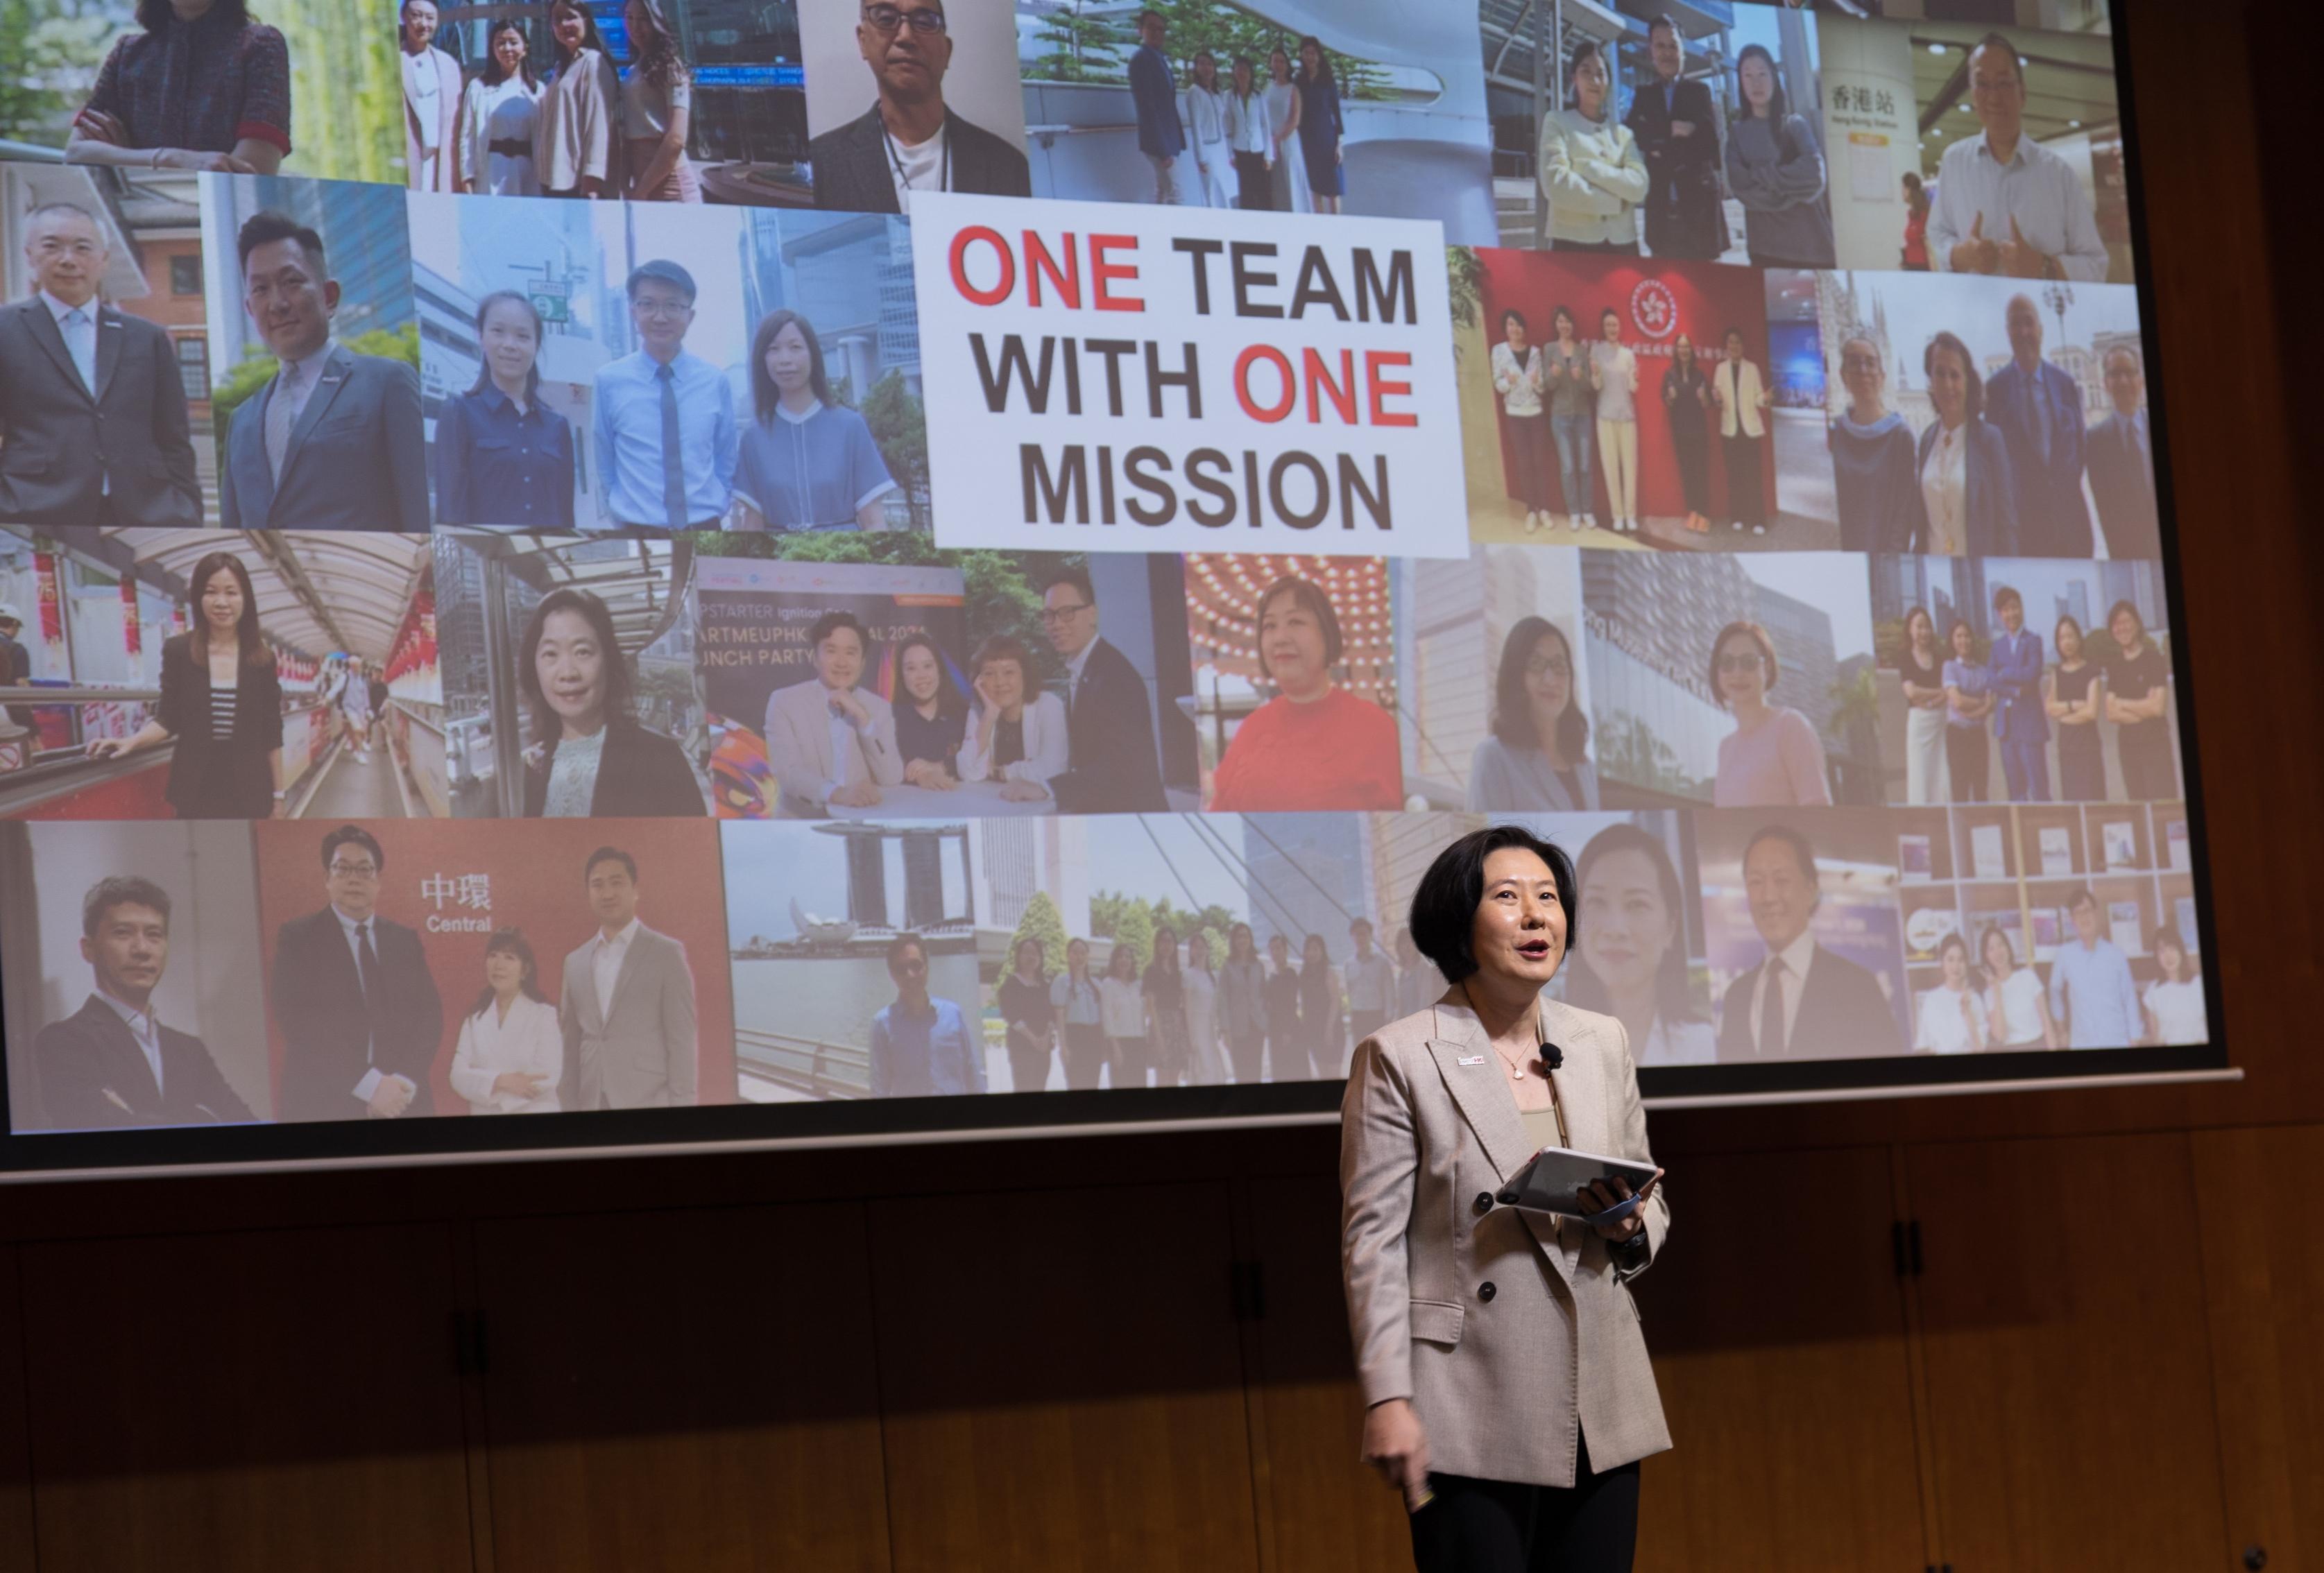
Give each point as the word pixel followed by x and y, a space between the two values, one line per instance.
pixel 1445 904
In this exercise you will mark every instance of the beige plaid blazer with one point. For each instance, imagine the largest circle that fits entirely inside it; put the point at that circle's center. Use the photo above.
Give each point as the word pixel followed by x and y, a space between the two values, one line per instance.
pixel 1507 1330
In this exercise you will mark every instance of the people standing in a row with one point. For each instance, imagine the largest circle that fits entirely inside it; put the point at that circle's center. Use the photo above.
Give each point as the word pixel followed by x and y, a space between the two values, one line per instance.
pixel 2127 687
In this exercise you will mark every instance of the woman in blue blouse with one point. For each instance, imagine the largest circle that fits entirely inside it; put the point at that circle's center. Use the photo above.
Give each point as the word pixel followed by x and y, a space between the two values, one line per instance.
pixel 502 457
pixel 1321 126
pixel 806 464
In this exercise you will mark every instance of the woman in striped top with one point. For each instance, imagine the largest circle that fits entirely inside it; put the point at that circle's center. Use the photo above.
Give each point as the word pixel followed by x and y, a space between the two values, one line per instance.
pixel 221 704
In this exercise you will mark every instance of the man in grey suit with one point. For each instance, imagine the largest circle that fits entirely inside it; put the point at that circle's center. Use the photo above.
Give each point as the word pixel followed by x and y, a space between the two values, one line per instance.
pixel 627 1004
pixel 333 440
pixel 93 426
pixel 830 743
pixel 2122 462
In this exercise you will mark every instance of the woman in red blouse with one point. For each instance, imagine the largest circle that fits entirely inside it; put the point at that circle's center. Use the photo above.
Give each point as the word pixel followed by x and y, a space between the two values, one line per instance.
pixel 1314 745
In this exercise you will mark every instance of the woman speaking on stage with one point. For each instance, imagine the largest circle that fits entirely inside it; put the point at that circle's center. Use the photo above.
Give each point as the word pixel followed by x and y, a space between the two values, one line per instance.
pixel 1509 1391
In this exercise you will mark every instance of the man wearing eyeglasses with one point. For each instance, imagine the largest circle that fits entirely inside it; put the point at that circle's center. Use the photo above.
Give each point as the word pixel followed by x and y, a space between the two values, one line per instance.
pixel 360 1017
pixel 1113 766
pixel 667 441
pixel 908 140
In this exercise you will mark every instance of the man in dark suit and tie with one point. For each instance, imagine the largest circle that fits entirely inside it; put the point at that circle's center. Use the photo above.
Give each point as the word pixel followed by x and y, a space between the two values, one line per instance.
pixel 2039 409
pixel 2122 462
pixel 1678 134
pixel 333 440
pixel 1111 764
pixel 908 140
pixel 1803 1001
pixel 112 1063
pixel 93 425
pixel 360 1016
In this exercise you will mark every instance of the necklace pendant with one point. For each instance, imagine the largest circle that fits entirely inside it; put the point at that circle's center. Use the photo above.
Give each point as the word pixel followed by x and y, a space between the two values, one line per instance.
pixel 1517 1072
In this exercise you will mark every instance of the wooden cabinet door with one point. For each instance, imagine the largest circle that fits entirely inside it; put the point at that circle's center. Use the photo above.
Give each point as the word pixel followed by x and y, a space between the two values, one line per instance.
pixel 247 1402
pixel 1777 1322
pixel 681 1390
pixel 1321 1511
pixel 16 1538
pixel 2262 1221
pixel 2070 1384
pixel 1061 1382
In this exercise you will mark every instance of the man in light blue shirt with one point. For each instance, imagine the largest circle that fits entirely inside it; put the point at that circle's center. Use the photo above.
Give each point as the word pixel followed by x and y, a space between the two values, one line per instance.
pixel 921 1047
pixel 667 440
pixel 2091 987
pixel 2004 203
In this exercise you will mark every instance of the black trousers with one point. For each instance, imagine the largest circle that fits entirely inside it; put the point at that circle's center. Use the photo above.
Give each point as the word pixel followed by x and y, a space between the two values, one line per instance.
pixel 1253 183
pixel 1496 1526
pixel 1085 1054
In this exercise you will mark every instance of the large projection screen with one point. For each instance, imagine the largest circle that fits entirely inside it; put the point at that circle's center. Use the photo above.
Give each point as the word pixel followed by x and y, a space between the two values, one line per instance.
pixel 622 574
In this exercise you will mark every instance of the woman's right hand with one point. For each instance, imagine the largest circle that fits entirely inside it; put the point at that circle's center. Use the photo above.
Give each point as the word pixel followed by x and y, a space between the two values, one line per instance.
pixel 1395 1445
pixel 108 748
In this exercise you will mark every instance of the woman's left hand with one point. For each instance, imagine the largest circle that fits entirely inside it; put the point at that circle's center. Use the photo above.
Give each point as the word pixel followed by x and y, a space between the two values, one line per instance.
pixel 1601 1194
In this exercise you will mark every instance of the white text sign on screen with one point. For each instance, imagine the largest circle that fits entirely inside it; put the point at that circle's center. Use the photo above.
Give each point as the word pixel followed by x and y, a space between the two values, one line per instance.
pixel 1132 380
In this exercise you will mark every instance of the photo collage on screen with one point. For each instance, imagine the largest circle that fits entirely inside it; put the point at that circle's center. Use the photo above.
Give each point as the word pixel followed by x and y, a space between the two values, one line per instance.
pixel 1027 528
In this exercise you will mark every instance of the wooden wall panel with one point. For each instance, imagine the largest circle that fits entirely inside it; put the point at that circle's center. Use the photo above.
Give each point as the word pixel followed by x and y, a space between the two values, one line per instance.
pixel 1776 1322
pixel 2262 1223
pixel 1061 1381
pixel 1321 1511
pixel 246 1402
pixel 15 1432
pixel 2070 1391
pixel 691 1390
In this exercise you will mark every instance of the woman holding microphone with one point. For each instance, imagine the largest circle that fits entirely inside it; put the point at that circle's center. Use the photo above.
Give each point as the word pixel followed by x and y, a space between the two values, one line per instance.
pixel 1508 1407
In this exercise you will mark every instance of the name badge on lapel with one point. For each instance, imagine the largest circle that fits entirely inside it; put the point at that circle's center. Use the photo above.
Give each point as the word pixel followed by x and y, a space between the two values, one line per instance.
pixel 1472 1059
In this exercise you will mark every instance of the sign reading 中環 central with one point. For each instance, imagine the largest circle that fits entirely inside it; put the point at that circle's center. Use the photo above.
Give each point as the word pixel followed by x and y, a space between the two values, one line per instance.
pixel 1139 380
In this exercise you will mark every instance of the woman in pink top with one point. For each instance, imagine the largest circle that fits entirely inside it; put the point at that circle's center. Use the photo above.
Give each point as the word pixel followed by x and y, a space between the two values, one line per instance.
pixel 1771 759
pixel 1314 745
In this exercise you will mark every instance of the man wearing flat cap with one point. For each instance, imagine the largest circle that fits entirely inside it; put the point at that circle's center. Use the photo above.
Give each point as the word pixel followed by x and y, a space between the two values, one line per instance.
pixel 665 419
